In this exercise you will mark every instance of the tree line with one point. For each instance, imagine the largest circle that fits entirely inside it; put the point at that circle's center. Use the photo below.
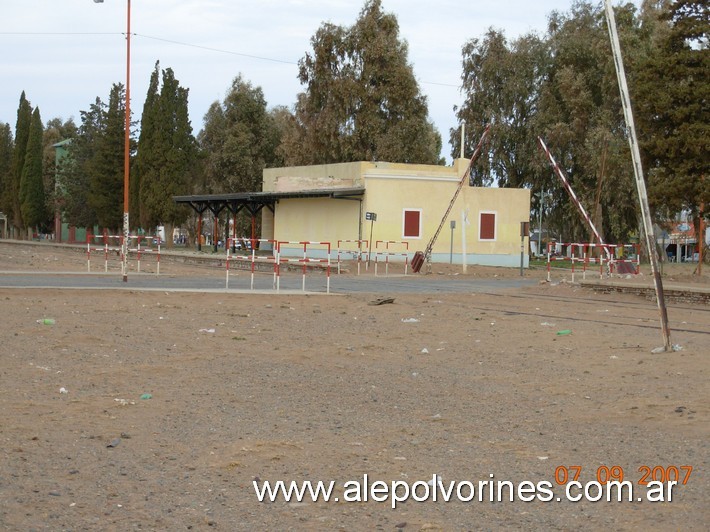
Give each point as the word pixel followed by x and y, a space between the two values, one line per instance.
pixel 361 101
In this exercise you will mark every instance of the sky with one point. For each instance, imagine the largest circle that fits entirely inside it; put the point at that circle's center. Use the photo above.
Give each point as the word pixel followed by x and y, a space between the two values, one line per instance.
pixel 64 54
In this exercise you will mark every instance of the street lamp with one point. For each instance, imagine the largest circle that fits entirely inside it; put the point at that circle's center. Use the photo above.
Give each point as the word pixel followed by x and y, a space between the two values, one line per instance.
pixel 127 147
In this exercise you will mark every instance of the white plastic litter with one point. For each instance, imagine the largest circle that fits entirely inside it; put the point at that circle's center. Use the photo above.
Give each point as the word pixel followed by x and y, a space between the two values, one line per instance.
pixel 662 349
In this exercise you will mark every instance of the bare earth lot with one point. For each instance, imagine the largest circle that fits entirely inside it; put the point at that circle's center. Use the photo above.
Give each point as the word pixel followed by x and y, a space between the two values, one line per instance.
pixel 268 387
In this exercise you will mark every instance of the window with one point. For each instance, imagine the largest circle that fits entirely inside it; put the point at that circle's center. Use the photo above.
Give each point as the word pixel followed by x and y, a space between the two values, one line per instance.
pixel 412 222
pixel 487 226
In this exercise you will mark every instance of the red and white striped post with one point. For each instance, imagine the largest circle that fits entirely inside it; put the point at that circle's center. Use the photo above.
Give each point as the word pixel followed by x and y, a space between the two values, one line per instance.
pixel 304 260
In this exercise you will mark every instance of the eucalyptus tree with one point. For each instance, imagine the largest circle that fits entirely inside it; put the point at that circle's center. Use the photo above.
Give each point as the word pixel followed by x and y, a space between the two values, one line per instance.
pixel 361 98
pixel 501 81
pixel 561 87
pixel 239 139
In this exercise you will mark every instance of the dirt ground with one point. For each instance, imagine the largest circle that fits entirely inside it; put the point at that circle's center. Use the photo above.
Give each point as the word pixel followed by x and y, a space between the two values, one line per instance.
pixel 158 410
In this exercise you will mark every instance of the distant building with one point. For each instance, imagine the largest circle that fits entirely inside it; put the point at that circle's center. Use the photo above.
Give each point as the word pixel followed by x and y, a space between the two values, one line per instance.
pixel 63 232
pixel 679 239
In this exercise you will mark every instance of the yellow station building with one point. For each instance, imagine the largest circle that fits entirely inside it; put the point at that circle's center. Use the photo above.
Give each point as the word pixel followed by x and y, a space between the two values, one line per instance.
pixel 334 202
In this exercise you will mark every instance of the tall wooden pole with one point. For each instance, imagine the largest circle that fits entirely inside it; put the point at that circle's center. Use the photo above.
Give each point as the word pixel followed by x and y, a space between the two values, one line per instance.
pixel 127 147
pixel 638 173
pixel 701 238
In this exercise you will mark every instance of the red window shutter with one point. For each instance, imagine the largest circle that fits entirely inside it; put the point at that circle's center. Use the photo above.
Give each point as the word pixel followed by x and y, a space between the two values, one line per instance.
pixel 487 229
pixel 411 224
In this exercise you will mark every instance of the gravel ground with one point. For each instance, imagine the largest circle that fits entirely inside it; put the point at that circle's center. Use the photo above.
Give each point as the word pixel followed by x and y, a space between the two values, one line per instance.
pixel 158 410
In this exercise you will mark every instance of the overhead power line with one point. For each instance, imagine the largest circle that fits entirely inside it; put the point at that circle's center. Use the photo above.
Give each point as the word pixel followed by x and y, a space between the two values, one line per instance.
pixel 189 45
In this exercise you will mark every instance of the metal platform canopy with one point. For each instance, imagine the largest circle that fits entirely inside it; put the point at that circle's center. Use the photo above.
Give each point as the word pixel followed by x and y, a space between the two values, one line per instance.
pixel 254 202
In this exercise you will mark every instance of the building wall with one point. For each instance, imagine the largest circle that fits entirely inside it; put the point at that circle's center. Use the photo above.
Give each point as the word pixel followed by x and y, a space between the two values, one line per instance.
pixel 316 219
pixel 312 177
pixel 424 191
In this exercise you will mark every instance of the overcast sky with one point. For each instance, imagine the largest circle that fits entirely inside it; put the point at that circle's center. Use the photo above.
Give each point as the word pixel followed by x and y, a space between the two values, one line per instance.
pixel 64 54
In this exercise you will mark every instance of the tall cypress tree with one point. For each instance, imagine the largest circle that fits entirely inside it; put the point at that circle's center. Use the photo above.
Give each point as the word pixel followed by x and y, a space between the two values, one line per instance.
pixel 146 162
pixel 674 115
pixel 106 168
pixel 6 153
pixel 22 132
pixel 166 153
pixel 32 202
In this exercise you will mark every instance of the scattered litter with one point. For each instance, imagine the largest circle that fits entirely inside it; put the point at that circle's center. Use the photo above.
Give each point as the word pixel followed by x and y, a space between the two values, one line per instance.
pixel 543 457
pixel 207 330
pixel 564 332
pixel 146 396
pixel 382 301
pixel 662 349
pixel 47 321
pixel 114 443
pixel 431 481
pixel 63 390
pixel 547 324
pixel 410 320
pixel 613 357
pixel 124 402
pixel 436 416
pixel 400 458
pixel 425 351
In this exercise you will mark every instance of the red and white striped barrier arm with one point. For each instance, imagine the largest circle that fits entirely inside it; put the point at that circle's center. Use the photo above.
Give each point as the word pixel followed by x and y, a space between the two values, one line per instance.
pixel 571 193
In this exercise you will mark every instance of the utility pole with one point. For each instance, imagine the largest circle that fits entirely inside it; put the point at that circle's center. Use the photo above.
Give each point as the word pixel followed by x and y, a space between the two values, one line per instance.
pixel 539 234
pixel 638 173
